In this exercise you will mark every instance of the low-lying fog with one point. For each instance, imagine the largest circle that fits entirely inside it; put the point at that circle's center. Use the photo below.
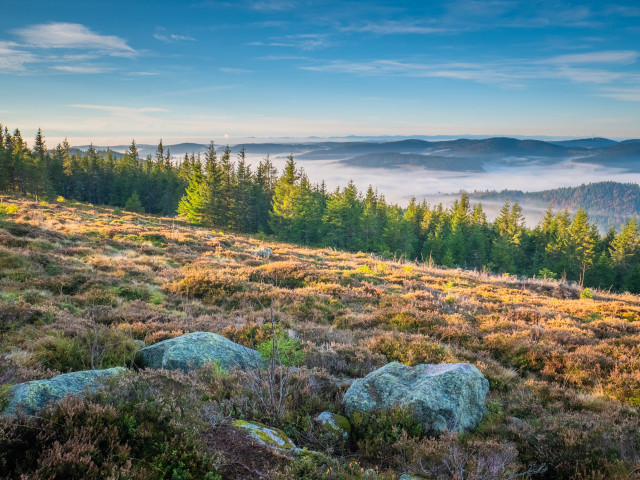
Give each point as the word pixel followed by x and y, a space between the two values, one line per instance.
pixel 400 184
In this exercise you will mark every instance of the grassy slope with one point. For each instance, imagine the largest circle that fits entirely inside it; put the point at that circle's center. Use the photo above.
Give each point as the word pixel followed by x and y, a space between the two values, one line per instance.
pixel 564 371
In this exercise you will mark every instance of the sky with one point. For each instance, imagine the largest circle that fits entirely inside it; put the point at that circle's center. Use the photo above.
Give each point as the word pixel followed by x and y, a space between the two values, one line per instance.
pixel 107 72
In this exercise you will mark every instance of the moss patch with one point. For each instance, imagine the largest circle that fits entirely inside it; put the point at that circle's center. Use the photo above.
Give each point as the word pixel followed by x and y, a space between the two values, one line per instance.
pixel 271 437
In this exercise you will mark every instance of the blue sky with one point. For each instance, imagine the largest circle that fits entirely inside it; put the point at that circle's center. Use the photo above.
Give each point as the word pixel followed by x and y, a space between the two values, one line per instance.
pixel 110 71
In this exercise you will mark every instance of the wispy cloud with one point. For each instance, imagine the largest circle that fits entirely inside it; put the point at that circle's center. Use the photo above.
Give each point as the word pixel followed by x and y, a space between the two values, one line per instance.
pixel 234 71
pixel 625 94
pixel 162 35
pixel 142 115
pixel 72 35
pixel 510 73
pixel 272 5
pixel 81 69
pixel 118 110
pixel 307 41
pixel 392 27
pixel 622 10
pixel 143 74
pixel 278 58
pixel 610 56
pixel 13 58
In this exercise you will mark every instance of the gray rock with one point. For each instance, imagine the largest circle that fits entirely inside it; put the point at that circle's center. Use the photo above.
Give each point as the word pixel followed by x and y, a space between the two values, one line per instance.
pixel 263 252
pixel 267 436
pixel 194 350
pixel 29 397
pixel 446 396
pixel 333 425
pixel 406 476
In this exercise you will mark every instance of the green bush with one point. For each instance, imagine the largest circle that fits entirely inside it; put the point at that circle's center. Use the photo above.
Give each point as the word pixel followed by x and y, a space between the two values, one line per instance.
pixel 134 292
pixel 289 350
pixel 586 293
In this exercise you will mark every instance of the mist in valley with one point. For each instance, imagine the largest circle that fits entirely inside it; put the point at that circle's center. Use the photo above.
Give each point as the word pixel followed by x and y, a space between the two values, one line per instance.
pixel 399 185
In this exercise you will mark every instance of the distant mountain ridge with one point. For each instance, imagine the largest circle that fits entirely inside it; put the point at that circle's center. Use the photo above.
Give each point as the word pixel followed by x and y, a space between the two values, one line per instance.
pixel 445 153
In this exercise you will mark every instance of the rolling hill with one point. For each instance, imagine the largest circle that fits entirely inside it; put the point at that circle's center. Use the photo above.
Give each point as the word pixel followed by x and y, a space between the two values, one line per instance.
pixel 86 287
pixel 487 152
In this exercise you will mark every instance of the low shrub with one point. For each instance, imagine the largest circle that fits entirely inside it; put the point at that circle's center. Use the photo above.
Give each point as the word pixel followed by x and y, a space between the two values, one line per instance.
pixel 377 436
pixel 138 427
pixel 288 350
pixel 103 347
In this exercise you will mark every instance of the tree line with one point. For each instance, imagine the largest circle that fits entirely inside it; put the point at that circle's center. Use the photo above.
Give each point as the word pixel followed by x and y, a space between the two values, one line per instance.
pixel 219 191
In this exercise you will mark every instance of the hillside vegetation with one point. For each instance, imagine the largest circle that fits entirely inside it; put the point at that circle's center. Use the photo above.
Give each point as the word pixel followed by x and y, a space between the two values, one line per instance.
pixel 218 192
pixel 83 286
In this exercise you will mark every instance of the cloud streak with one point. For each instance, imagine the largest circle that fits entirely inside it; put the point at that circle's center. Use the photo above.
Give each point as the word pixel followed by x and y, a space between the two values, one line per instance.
pixel 307 41
pixel 84 69
pixel 394 28
pixel 162 35
pixel 72 35
pixel 510 73
pixel 13 58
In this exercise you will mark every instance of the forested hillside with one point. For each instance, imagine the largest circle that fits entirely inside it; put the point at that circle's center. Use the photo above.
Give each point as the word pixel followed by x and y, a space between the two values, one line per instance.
pixel 608 203
pixel 218 191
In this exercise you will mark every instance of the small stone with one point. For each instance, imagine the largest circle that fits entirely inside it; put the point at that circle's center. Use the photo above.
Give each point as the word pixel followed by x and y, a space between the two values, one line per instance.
pixel 332 424
pixel 268 436
pixel 263 252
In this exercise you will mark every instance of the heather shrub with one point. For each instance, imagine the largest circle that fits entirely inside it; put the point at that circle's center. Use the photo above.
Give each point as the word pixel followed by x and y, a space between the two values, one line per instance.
pixel 409 349
pixel 347 360
pixel 211 285
pixel 378 436
pixel 452 456
pixel 138 427
pixel 134 292
pixel 285 274
pixel 102 347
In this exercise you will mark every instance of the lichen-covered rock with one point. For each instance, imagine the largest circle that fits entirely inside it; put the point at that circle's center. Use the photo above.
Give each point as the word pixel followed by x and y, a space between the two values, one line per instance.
pixel 446 396
pixel 29 397
pixel 263 252
pixel 194 350
pixel 268 436
pixel 333 425
pixel 406 476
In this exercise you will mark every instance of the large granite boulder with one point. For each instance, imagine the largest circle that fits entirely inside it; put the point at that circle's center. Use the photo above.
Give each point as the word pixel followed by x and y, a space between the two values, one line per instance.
pixel 194 350
pixel 446 396
pixel 29 397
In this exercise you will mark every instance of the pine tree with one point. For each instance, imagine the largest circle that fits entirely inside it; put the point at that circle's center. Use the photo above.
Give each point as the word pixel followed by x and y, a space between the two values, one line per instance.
pixel 39 148
pixel 398 234
pixel 133 204
pixel 625 252
pixel 281 218
pixel 342 218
